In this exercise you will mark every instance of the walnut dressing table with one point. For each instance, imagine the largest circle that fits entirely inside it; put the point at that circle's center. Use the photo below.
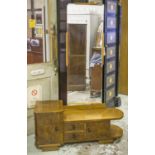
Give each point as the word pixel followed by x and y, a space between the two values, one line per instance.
pixel 56 125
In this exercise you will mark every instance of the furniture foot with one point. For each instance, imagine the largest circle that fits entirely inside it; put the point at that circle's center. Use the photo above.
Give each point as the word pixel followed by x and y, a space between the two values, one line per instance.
pixel 52 147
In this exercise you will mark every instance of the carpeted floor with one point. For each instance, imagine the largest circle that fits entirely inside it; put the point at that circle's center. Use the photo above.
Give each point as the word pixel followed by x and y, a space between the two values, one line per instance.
pixel 93 148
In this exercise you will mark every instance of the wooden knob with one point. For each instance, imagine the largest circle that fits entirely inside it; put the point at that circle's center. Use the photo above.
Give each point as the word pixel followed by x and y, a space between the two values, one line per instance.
pixel 74 136
pixel 73 127
pixel 56 128
pixel 89 130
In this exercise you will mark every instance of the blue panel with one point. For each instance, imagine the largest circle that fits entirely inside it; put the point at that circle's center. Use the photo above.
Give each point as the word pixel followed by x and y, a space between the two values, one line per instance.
pixel 111 37
pixel 111 7
pixel 111 22
pixel 111 52
pixel 110 94
pixel 110 80
pixel 110 67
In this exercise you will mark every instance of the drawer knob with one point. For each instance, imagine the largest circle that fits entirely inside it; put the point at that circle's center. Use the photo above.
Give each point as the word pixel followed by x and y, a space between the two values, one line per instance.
pixel 74 136
pixel 73 127
pixel 56 128
pixel 88 130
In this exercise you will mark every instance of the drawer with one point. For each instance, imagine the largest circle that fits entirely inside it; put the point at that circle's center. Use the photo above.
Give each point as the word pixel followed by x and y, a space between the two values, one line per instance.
pixel 74 137
pixel 73 126
pixel 111 7
pixel 110 94
pixel 96 130
pixel 111 22
pixel 110 66
pixel 111 52
pixel 111 37
pixel 110 80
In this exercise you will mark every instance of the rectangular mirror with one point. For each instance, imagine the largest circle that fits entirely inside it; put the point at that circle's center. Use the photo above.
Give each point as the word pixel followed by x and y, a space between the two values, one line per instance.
pixel 84 53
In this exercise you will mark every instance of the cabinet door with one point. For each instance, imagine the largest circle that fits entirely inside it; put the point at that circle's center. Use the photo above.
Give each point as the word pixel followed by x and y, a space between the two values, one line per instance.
pixel 48 131
pixel 57 133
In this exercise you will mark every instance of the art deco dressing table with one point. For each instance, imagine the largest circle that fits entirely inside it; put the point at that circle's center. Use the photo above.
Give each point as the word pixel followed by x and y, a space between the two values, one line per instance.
pixel 66 121
pixel 56 125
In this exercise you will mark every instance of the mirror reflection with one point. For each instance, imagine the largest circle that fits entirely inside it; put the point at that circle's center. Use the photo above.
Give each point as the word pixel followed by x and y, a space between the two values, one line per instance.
pixel 84 59
pixel 37 38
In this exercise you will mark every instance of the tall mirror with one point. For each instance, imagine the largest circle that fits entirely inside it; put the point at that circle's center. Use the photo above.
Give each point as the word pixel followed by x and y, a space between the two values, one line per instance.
pixel 84 53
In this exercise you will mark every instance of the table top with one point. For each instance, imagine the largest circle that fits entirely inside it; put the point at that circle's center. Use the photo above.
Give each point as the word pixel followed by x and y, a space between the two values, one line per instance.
pixel 79 112
pixel 93 112
pixel 48 106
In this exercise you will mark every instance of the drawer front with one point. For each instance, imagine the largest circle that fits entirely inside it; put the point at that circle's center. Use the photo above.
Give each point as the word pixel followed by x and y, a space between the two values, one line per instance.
pixel 111 22
pixel 110 80
pixel 110 66
pixel 111 52
pixel 74 137
pixel 73 126
pixel 111 37
pixel 97 130
pixel 111 7
pixel 110 94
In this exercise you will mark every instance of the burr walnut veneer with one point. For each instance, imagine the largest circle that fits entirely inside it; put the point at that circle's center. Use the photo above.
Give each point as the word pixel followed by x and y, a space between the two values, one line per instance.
pixel 56 124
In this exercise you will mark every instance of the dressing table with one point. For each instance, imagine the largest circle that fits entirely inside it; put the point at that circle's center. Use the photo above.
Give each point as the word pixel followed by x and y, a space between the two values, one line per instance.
pixel 56 125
